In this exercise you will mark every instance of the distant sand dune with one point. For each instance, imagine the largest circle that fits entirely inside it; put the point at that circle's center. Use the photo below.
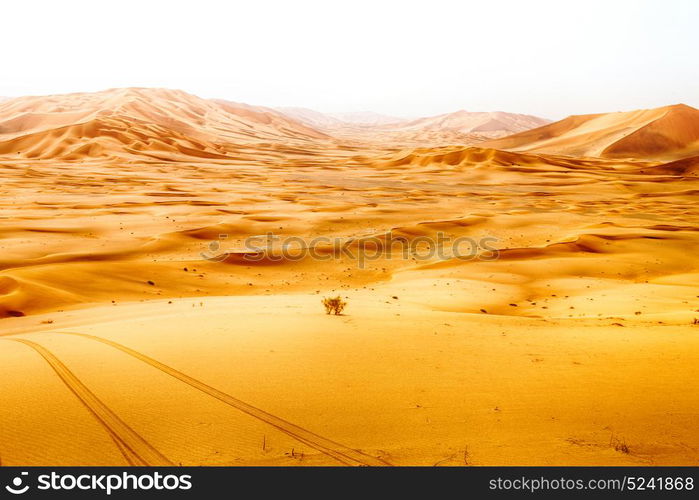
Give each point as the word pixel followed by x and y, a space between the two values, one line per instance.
pixel 461 127
pixel 664 133
pixel 130 123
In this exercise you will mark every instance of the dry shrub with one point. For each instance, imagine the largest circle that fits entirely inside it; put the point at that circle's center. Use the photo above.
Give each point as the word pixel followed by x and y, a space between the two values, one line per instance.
pixel 619 445
pixel 334 305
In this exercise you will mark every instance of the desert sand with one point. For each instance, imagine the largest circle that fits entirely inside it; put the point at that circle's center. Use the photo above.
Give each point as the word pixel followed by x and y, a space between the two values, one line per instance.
pixel 459 127
pixel 120 343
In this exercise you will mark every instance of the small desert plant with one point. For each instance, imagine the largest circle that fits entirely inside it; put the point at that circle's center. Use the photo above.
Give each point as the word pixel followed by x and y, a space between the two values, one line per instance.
pixel 334 305
pixel 696 321
pixel 619 445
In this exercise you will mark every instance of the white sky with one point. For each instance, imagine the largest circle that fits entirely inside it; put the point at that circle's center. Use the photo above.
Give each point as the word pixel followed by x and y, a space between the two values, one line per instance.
pixel 548 58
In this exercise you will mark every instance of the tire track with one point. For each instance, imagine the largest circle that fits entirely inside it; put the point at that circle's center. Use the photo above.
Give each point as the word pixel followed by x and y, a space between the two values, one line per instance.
pixel 340 452
pixel 135 449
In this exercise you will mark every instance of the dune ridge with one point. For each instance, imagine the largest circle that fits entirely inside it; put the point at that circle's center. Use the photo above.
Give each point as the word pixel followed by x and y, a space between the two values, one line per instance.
pixel 665 133
pixel 134 122
pixel 460 127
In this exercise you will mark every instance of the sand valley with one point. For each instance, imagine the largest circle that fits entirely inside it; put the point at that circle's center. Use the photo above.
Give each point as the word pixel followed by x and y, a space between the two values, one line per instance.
pixel 138 327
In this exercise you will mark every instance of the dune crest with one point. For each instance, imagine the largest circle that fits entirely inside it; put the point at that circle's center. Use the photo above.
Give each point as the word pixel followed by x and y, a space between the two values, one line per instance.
pixel 665 133
pixel 140 122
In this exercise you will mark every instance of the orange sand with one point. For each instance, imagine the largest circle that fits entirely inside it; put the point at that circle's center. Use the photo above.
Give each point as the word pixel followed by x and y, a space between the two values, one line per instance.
pixel 587 339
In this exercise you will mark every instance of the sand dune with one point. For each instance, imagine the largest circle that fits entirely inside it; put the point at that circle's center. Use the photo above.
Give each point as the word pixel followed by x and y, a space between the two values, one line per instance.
pixel 139 326
pixel 322 121
pixel 461 127
pixel 312 117
pixel 686 167
pixel 489 124
pixel 367 118
pixel 141 124
pixel 135 123
pixel 665 133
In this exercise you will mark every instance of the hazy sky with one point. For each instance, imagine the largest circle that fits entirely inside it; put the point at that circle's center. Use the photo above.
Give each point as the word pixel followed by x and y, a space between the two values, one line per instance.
pixel 548 58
